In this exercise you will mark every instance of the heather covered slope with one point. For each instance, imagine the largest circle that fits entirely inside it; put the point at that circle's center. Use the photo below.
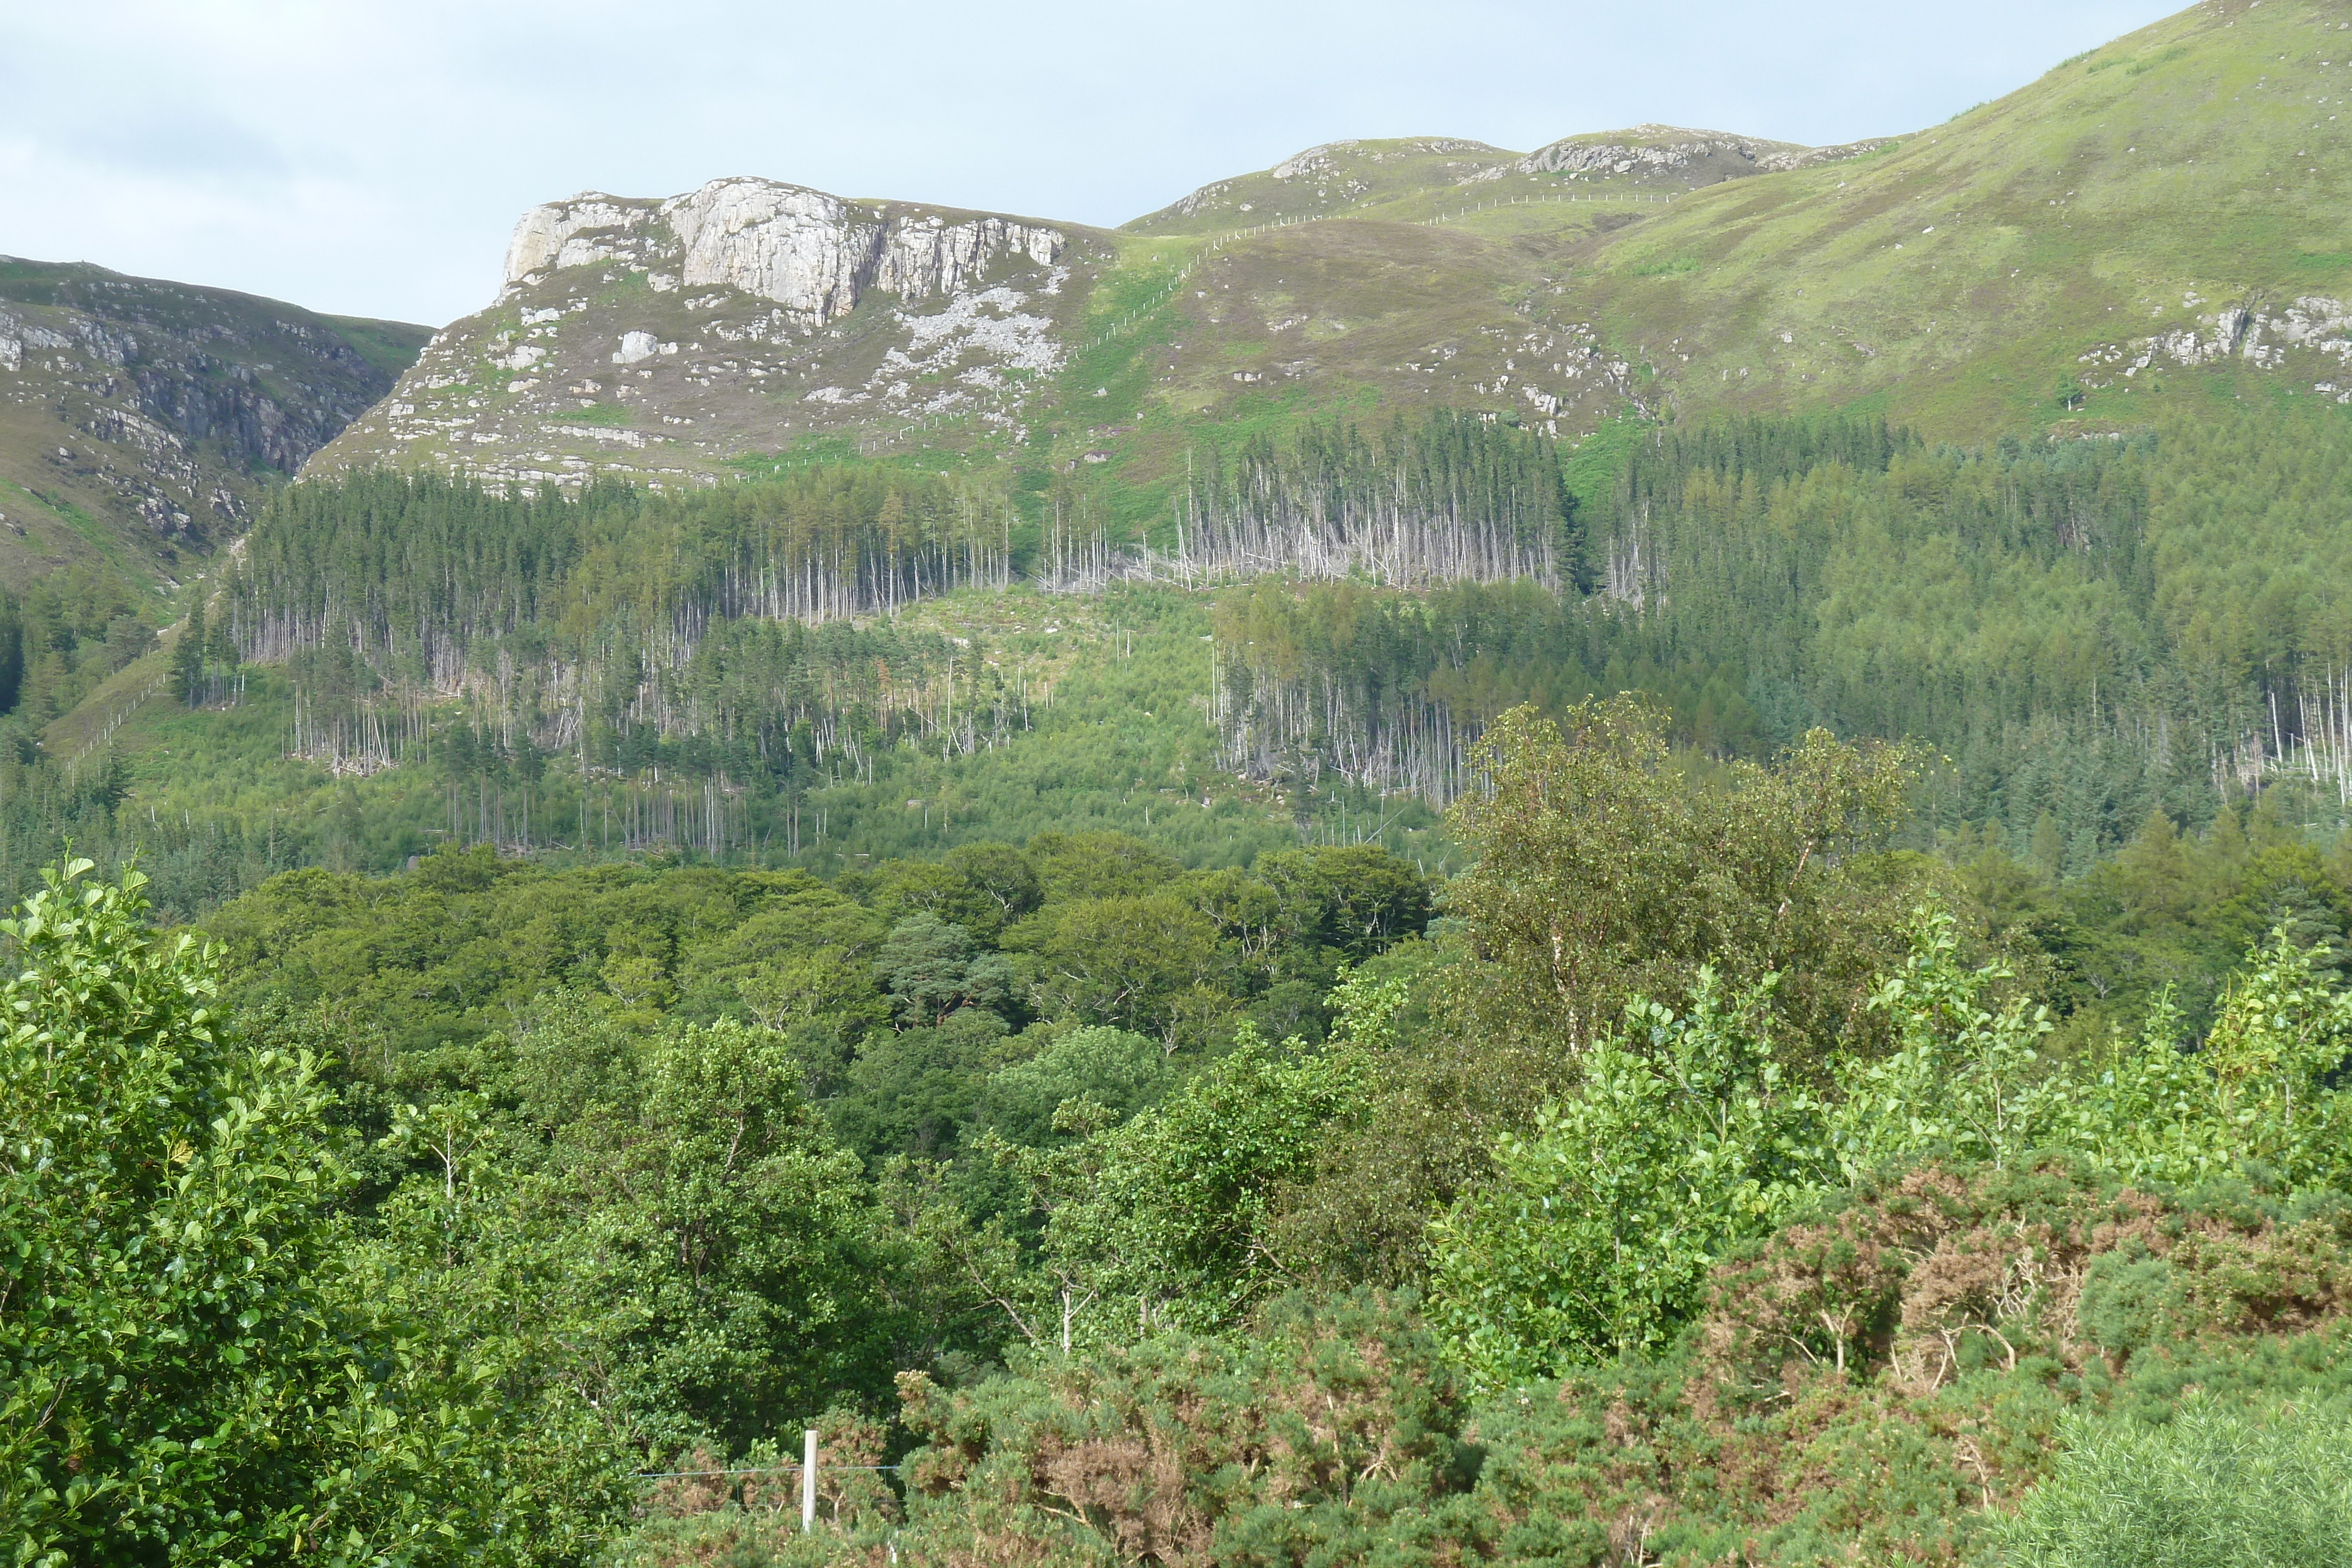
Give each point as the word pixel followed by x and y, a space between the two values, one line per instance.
pixel 1420 177
pixel 1322 182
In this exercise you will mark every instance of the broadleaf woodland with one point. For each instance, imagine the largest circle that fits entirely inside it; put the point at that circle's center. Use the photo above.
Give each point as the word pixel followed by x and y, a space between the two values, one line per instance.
pixel 1788 996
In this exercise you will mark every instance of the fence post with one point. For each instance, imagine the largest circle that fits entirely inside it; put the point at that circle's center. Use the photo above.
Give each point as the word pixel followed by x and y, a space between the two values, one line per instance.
pixel 808 1479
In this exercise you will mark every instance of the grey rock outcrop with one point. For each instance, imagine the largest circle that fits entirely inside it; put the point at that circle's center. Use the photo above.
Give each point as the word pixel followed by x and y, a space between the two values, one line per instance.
pixel 1806 156
pixel 656 340
pixel 1671 150
pixel 2314 329
pixel 812 253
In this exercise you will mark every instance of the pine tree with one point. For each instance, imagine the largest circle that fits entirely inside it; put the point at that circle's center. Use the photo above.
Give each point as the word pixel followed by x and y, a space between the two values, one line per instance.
pixel 188 658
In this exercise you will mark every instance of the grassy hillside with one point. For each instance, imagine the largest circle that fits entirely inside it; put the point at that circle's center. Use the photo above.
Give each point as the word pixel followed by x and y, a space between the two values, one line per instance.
pixel 1413 178
pixel 2167 214
pixel 1975 275
pixel 1323 181
pixel 2169 211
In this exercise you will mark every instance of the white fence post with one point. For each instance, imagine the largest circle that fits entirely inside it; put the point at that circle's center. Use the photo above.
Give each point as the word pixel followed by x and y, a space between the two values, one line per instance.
pixel 808 1479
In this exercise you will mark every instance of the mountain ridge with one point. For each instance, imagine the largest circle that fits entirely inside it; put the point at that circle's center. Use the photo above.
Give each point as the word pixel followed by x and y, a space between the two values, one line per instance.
pixel 1649 271
pixel 140 418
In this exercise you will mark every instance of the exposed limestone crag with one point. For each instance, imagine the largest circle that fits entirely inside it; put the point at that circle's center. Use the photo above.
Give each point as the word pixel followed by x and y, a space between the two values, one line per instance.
pixel 2264 337
pixel 812 253
pixel 656 340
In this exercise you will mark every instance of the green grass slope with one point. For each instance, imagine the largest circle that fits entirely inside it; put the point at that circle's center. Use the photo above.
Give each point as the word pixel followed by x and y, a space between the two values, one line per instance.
pixel 1414 179
pixel 2170 212
pixel 1337 177
pixel 2171 206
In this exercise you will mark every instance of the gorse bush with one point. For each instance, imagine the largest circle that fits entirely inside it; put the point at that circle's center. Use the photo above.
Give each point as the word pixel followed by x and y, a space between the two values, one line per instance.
pixel 2211 1487
pixel 1976 1306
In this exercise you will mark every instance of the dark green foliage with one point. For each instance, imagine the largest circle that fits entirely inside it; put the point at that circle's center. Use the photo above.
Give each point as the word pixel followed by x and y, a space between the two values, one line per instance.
pixel 1097 865
pixel 12 652
pixel 2088 629
pixel 1119 1071
pixel 917 1090
pixel 194 1363
pixel 447 952
pixel 422 569
pixel 2169 915
pixel 188 658
pixel 932 968
pixel 725 1242
pixel 1448 496
pixel 1126 959
pixel 63 633
pixel 1179 1202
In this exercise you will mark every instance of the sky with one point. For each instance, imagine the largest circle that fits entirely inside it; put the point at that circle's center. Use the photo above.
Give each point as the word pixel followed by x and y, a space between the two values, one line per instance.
pixel 370 157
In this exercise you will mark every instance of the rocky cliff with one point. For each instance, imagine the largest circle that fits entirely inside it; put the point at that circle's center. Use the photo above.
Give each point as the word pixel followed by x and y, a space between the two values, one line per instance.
pixel 140 419
pixel 659 339
pixel 1684 160
pixel 814 254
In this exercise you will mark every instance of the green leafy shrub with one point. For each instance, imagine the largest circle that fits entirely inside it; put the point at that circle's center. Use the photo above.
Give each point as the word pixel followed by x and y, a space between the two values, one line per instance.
pixel 1177 1198
pixel 1599 1231
pixel 192 1367
pixel 1120 1071
pixel 1596 1234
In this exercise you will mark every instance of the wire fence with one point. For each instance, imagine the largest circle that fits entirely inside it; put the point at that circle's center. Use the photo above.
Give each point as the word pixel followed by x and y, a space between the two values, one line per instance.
pixel 1639 198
